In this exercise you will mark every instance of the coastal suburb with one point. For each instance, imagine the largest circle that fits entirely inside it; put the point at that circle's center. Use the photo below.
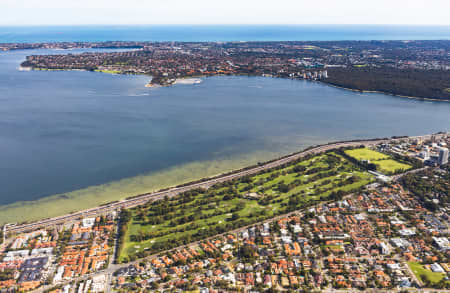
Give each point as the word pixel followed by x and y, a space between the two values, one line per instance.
pixel 349 215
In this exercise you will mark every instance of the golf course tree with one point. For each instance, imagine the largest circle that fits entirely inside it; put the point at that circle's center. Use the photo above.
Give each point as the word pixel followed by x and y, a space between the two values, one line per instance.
pixel 337 195
pixel 201 213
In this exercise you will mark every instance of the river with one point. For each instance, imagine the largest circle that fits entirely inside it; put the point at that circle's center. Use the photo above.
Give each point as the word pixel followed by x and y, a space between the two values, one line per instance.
pixel 72 139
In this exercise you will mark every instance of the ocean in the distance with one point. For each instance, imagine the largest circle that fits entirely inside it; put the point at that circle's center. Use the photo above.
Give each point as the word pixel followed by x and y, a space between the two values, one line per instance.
pixel 220 33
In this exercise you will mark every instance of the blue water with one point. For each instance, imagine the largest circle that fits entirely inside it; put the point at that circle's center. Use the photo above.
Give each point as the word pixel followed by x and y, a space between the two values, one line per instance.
pixel 61 131
pixel 222 33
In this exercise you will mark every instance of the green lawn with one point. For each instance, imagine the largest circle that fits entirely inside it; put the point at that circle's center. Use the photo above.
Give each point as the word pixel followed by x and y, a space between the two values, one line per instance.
pixel 390 166
pixel 385 164
pixel 201 213
pixel 107 71
pixel 366 154
pixel 419 270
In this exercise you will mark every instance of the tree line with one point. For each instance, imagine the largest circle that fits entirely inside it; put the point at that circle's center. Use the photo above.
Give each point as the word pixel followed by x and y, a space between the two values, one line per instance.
pixel 431 84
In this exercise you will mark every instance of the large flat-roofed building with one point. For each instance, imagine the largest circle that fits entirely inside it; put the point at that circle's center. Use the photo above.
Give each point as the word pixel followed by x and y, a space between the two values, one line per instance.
pixel 442 243
pixel 32 269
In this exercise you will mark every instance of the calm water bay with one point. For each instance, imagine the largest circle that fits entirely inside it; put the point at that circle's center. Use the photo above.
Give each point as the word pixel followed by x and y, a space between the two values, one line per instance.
pixel 62 131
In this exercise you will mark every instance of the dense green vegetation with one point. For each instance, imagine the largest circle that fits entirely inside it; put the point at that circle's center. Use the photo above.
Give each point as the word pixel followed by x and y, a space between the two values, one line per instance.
pixel 428 186
pixel 378 161
pixel 197 214
pixel 431 84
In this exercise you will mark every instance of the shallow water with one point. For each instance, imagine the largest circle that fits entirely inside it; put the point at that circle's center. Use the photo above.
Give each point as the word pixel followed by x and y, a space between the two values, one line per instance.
pixel 63 131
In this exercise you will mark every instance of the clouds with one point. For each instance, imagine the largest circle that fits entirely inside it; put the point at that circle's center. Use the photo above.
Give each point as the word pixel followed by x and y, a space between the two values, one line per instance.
pixel 23 12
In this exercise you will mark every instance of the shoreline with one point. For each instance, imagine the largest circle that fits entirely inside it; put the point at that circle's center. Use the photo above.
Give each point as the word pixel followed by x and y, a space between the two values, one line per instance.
pixel 318 81
pixel 142 197
pixel 200 77
pixel 97 195
pixel 381 92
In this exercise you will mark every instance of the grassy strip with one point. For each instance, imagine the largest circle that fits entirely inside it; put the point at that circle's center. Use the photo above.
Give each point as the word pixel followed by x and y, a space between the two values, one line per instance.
pixel 108 71
pixel 423 274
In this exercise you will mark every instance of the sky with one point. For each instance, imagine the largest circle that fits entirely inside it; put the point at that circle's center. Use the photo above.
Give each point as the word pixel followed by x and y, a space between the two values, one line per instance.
pixel 135 12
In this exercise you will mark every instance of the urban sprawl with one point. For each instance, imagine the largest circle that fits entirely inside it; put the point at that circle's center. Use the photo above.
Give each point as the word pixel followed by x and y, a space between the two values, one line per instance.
pixel 405 68
pixel 359 217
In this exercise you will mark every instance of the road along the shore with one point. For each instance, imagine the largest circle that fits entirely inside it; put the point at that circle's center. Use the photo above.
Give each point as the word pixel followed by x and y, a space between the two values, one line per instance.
pixel 141 199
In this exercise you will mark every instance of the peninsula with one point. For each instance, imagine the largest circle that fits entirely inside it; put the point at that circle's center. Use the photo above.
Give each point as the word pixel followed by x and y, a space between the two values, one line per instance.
pixel 405 68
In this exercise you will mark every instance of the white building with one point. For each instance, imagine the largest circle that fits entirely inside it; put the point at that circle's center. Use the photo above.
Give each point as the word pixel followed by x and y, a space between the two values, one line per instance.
pixel 443 156
pixel 384 248
pixel 80 289
pixel 407 232
pixel 437 268
pixel 297 229
pixel 42 251
pixel 58 276
pixel 400 242
pixel 66 289
pixel 88 285
pixel 99 283
pixel 425 153
pixel 442 243
pixel 393 266
pixel 17 254
pixel 88 222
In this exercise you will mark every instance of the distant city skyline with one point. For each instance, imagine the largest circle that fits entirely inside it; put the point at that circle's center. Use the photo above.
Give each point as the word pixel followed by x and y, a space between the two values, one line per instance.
pixel 203 12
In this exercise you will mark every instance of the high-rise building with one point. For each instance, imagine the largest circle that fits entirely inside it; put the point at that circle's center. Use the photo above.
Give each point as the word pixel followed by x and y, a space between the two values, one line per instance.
pixel 443 156
pixel 425 153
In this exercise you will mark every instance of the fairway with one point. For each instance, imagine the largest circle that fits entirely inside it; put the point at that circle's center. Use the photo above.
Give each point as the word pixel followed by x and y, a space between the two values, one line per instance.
pixel 419 271
pixel 199 213
pixel 385 164
pixel 366 154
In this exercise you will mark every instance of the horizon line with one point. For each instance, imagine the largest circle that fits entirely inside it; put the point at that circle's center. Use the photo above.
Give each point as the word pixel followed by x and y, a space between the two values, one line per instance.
pixel 228 24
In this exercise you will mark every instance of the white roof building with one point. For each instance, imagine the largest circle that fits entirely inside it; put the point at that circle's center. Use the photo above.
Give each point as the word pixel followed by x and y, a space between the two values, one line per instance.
pixel 17 254
pixel 437 268
pixel 442 243
pixel 99 283
pixel 88 222
pixel 407 232
pixel 38 251
pixel 399 242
